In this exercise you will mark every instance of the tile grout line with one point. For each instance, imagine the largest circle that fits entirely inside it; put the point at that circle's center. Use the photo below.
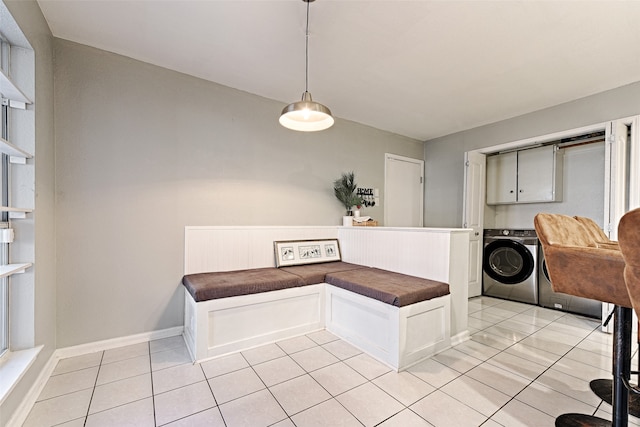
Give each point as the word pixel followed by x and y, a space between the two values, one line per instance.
pixel 153 395
pixel 95 384
pixel 204 374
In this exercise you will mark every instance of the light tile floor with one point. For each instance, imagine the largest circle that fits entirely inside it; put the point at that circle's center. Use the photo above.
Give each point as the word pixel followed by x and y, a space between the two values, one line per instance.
pixel 523 366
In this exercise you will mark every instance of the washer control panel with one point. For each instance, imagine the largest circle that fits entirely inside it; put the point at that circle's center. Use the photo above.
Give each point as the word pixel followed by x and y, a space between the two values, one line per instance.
pixel 510 232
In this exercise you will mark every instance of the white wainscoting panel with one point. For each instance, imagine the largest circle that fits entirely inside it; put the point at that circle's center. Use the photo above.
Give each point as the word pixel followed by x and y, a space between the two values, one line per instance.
pixel 238 248
pixel 410 251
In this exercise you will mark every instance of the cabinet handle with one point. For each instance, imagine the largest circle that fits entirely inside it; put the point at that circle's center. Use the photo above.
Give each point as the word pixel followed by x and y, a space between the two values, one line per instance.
pixel 511 191
pixel 522 191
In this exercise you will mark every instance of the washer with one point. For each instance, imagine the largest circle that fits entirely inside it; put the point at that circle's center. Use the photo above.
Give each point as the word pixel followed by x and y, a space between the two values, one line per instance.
pixel 509 265
pixel 559 301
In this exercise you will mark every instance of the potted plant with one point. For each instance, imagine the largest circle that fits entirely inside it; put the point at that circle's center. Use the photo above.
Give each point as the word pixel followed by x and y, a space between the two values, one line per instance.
pixel 345 190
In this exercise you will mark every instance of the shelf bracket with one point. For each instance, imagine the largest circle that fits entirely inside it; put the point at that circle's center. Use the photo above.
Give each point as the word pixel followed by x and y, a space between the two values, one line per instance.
pixel 14 104
pixel 17 160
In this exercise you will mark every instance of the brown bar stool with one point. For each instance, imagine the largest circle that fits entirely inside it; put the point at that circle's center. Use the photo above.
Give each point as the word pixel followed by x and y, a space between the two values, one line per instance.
pixel 629 239
pixel 629 236
pixel 577 266
pixel 596 234
pixel 601 387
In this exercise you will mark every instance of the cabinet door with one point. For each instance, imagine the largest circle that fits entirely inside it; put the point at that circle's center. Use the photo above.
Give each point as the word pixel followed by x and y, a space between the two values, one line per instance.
pixel 501 178
pixel 537 174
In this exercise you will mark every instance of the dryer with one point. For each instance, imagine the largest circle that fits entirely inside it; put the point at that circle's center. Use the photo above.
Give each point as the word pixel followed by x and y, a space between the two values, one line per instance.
pixel 564 302
pixel 509 265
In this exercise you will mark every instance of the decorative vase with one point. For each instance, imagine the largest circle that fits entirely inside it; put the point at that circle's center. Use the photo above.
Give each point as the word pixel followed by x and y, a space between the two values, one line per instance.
pixel 356 213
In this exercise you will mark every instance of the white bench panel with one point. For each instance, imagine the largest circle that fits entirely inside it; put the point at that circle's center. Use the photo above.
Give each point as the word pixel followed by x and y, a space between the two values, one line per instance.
pixel 226 325
pixel 427 330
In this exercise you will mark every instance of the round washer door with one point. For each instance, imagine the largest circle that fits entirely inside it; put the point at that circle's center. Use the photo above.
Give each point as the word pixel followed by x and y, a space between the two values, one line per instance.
pixel 507 261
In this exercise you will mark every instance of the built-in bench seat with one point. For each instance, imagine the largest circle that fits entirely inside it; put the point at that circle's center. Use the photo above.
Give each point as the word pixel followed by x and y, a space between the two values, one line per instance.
pixel 223 284
pixel 316 273
pixel 397 318
pixel 391 288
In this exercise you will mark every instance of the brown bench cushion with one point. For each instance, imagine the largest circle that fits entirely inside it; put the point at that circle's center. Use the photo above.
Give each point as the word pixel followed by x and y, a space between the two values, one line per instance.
pixel 221 284
pixel 386 286
pixel 315 273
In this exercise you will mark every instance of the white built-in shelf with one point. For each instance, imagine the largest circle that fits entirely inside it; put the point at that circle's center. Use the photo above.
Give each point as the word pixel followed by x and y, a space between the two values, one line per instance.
pixel 16 213
pixel 10 91
pixel 9 269
pixel 10 149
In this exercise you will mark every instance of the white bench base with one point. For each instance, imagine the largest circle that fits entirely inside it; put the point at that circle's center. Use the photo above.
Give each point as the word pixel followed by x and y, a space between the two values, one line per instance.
pixel 398 337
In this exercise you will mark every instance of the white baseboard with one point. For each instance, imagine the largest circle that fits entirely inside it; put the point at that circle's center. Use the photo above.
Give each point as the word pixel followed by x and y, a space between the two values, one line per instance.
pixel 78 350
pixel 460 338
pixel 21 413
pixel 29 400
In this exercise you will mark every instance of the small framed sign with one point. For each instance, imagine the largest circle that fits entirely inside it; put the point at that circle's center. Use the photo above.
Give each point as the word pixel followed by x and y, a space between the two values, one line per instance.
pixel 299 252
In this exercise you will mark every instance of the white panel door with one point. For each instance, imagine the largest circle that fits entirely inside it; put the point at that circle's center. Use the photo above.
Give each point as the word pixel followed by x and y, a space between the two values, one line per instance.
pixel 473 211
pixel 403 191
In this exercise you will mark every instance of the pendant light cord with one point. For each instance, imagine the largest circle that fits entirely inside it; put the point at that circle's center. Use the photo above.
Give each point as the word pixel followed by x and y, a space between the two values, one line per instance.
pixel 306 55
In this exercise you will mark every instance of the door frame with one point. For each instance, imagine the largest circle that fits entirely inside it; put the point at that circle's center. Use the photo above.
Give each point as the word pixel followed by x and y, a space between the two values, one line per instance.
pixel 621 195
pixel 389 156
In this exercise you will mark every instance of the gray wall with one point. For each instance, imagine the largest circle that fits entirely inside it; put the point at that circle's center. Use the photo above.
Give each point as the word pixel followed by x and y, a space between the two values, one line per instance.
pixel 444 157
pixel 28 16
pixel 142 151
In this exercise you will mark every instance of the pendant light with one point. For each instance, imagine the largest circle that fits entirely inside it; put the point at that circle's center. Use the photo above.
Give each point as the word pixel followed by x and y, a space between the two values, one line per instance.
pixel 306 115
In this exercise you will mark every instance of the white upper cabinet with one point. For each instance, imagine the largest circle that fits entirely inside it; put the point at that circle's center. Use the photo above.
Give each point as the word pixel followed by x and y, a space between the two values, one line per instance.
pixel 526 176
pixel 502 172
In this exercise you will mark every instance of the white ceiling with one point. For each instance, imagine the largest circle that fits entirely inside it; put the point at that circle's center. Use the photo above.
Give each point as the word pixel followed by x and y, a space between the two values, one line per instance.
pixel 418 68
